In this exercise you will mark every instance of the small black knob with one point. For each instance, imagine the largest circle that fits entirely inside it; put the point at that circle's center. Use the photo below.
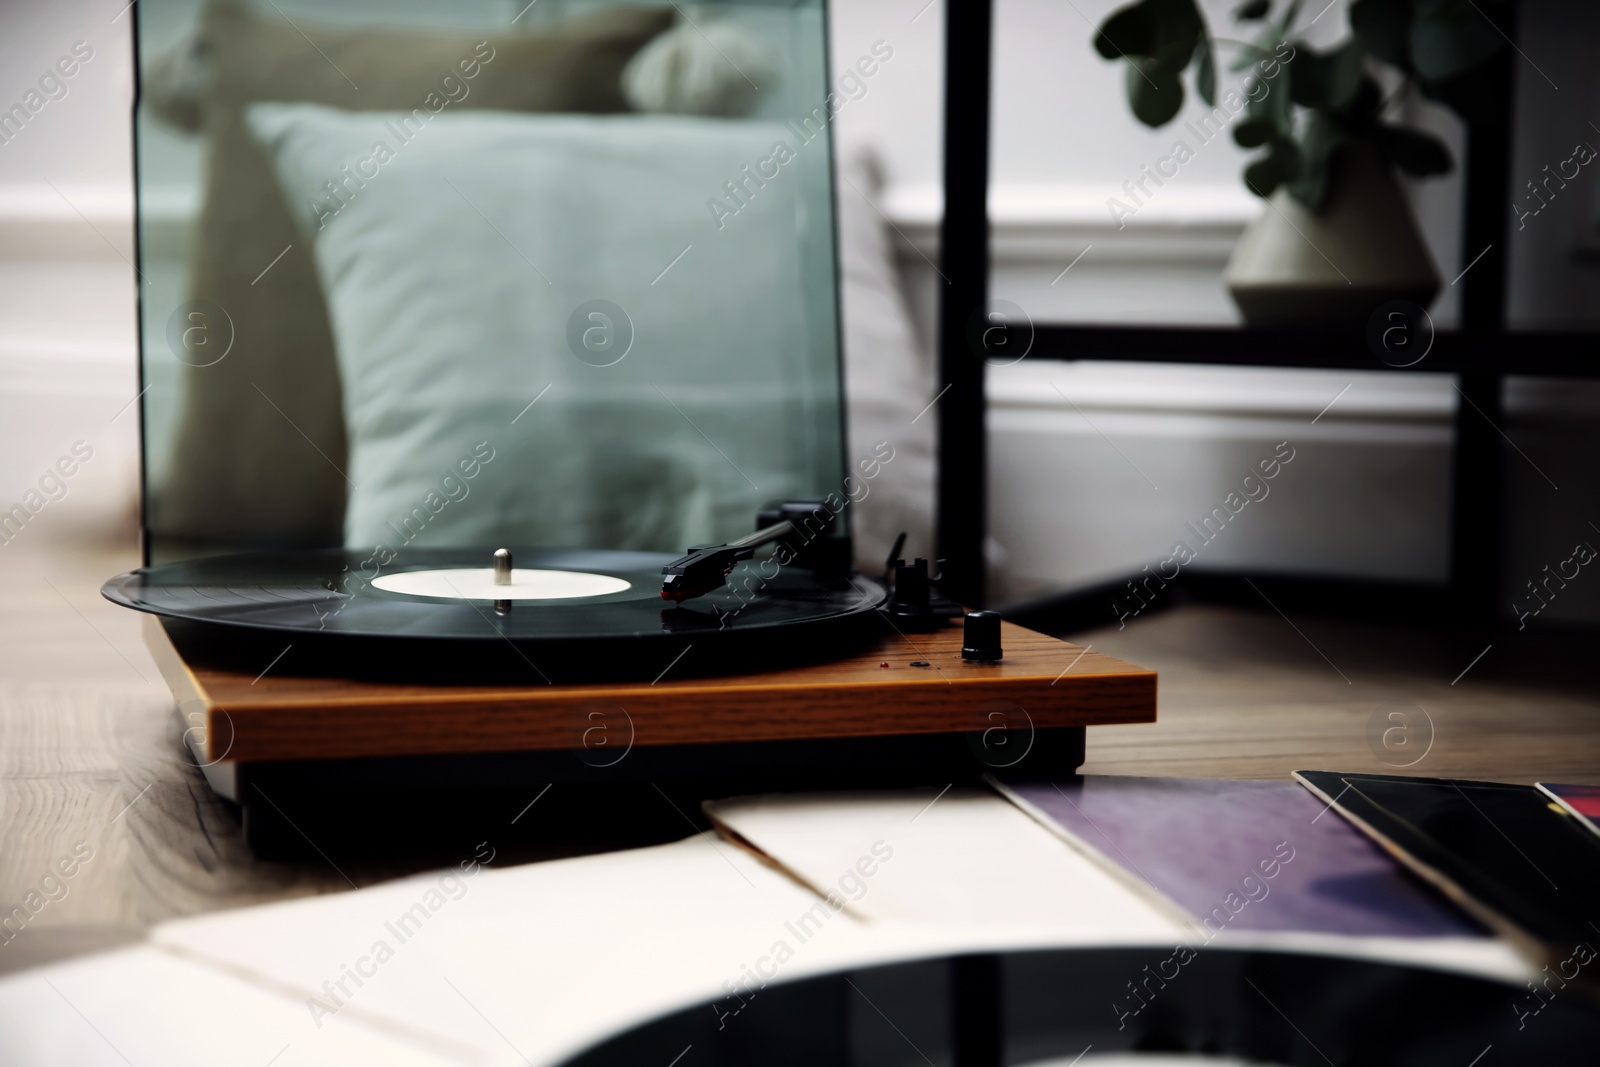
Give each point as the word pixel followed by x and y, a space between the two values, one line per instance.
pixel 980 637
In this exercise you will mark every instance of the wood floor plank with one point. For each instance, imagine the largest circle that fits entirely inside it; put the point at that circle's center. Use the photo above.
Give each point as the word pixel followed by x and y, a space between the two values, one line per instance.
pixel 1244 694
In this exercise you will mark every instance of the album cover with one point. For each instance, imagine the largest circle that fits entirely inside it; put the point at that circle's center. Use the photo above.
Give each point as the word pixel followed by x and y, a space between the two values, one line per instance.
pixel 1495 848
pixel 1242 855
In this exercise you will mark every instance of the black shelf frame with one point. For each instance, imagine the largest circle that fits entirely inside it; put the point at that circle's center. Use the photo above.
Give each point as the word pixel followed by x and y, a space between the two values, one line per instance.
pixel 1540 355
pixel 1481 353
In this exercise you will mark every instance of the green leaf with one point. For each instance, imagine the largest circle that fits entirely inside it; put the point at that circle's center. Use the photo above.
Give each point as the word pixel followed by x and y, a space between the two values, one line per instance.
pixel 1361 113
pixel 1263 177
pixel 1419 154
pixel 1205 80
pixel 1281 164
pixel 1251 10
pixel 1253 133
pixel 1323 140
pixel 1383 27
pixel 1128 31
pixel 1288 155
pixel 1157 39
pixel 1450 37
pixel 1154 91
pixel 1177 53
pixel 1271 109
pixel 1176 21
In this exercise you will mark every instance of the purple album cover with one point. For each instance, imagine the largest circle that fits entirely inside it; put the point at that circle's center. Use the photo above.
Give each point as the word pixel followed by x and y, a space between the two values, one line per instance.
pixel 1241 855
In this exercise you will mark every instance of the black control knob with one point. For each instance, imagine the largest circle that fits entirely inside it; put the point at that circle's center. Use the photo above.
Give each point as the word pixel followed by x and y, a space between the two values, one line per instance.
pixel 980 637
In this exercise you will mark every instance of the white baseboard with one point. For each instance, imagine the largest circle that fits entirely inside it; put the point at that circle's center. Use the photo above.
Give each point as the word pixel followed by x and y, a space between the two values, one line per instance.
pixel 1095 470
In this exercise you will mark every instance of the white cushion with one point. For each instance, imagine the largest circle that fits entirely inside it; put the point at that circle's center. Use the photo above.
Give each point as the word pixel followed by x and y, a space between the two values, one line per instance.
pixel 700 68
pixel 451 274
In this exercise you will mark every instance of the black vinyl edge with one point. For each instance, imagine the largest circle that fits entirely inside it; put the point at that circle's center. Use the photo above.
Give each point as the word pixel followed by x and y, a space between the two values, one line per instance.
pixel 987 1008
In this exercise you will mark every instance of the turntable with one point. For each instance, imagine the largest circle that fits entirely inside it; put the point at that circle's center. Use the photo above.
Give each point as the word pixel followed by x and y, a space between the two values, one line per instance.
pixel 394 383
pixel 576 670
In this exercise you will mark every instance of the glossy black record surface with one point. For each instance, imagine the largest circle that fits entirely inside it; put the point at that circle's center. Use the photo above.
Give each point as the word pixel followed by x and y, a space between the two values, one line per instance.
pixel 1273 1004
pixel 330 592
pixel 328 595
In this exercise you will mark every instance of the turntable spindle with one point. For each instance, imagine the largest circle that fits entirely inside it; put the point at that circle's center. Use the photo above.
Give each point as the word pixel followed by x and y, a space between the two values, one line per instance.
pixel 502 576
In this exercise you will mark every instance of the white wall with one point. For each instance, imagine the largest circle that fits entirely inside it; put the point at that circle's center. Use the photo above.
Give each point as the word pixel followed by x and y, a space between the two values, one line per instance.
pixel 66 277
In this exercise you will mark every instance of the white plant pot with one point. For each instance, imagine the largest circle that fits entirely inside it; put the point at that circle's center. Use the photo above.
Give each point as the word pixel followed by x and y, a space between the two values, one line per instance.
pixel 1362 250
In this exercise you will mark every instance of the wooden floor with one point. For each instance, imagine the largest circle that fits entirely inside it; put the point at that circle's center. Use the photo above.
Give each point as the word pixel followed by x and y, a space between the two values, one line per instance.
pixel 88 747
pixel 1252 694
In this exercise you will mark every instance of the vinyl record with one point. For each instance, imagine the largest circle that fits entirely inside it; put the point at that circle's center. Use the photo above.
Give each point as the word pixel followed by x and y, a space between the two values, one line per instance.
pixel 1285 999
pixel 572 614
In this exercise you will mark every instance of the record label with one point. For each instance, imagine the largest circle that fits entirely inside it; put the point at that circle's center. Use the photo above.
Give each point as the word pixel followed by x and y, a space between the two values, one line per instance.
pixel 478 583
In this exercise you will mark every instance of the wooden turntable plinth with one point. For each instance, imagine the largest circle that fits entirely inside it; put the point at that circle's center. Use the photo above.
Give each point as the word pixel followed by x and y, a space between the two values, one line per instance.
pixel 1053 683
pixel 303 756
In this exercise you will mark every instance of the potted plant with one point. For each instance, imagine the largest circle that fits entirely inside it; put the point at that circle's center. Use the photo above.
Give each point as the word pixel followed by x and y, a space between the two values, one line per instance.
pixel 1338 237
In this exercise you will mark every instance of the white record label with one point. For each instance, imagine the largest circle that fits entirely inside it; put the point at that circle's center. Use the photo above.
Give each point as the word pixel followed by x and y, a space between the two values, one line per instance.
pixel 477 583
